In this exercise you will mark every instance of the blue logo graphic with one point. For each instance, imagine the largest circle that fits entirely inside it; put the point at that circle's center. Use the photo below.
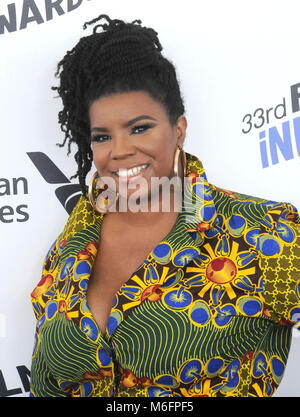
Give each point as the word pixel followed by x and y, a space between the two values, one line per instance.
pixel 277 143
pixel 272 142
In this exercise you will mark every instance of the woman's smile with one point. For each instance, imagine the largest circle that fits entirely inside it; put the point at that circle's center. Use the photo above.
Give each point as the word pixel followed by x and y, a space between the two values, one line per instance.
pixel 131 175
pixel 126 146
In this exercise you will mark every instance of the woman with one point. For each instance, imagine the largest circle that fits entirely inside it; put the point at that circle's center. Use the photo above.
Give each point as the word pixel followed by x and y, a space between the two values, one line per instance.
pixel 195 301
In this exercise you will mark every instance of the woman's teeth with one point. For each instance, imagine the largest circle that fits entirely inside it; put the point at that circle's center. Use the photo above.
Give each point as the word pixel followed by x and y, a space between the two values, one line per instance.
pixel 131 172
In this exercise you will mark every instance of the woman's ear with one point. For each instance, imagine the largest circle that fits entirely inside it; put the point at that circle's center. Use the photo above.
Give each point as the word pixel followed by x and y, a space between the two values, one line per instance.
pixel 181 126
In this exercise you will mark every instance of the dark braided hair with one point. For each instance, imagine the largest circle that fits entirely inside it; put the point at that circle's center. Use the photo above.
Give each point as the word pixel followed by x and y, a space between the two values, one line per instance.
pixel 120 58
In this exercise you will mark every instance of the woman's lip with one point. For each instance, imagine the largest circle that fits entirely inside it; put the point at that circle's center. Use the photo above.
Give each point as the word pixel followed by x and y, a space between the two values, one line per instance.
pixel 131 177
pixel 128 168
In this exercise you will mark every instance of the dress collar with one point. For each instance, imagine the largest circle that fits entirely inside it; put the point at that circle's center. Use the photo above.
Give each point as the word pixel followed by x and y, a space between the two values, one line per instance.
pixel 198 205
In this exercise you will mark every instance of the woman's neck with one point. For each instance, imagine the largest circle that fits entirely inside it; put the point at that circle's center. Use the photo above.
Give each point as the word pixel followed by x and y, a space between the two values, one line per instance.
pixel 144 213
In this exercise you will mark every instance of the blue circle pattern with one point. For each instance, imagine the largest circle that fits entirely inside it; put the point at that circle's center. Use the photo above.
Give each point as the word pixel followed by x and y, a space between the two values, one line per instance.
pixel 89 327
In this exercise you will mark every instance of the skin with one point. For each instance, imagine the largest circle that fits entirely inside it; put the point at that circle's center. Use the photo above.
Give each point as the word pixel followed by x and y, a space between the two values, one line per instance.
pixel 151 140
pixel 126 238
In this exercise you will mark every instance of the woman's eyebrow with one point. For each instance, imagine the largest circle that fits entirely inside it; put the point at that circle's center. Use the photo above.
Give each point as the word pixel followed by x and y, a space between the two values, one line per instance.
pixel 127 124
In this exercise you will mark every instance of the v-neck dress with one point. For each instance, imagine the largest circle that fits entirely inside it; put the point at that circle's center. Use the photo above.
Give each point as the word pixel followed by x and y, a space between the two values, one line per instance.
pixel 208 313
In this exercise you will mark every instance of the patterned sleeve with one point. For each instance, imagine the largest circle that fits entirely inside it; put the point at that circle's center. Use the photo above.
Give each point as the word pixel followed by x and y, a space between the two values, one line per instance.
pixel 42 383
pixel 46 286
pixel 280 263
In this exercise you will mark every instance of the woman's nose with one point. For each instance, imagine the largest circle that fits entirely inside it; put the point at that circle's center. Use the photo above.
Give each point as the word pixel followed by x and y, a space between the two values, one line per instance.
pixel 121 147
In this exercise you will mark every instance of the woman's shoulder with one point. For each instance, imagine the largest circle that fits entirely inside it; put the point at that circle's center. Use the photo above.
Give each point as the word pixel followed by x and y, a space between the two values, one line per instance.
pixel 238 196
pixel 256 210
pixel 82 216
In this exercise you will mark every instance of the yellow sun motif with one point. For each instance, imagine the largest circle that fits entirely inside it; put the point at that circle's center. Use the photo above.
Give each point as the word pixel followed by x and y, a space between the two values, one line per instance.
pixel 61 298
pixel 220 270
pixel 141 288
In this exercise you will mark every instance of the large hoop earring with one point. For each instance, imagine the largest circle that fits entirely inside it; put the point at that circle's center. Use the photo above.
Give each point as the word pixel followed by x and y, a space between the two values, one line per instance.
pixel 179 151
pixel 105 199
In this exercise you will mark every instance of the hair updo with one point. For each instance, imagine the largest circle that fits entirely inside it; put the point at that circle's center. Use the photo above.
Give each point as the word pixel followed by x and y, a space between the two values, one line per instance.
pixel 122 57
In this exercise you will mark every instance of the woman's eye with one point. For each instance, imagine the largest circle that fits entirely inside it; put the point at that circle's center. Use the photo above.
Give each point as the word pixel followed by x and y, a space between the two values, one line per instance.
pixel 135 130
pixel 142 128
pixel 99 138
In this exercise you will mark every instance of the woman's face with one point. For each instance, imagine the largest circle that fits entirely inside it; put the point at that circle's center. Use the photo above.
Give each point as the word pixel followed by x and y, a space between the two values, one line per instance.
pixel 132 137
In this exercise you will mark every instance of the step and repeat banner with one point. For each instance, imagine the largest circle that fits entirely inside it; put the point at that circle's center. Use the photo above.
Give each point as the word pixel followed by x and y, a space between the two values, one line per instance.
pixel 239 69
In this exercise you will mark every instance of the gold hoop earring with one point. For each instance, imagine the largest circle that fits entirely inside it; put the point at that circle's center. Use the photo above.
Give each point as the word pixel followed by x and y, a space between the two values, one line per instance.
pixel 105 199
pixel 179 151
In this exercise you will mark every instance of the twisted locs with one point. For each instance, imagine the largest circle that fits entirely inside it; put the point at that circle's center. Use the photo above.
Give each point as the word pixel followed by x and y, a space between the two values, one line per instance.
pixel 117 57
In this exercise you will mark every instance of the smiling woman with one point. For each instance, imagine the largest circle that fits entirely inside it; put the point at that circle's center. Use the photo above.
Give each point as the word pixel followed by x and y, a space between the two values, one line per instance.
pixel 191 302
pixel 132 149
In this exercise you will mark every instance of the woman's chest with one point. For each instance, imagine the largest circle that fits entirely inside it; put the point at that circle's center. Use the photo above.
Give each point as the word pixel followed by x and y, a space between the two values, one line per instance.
pixel 114 264
pixel 151 342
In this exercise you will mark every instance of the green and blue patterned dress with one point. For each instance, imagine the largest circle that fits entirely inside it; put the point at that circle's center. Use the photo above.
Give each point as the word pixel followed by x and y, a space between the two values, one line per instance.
pixel 208 313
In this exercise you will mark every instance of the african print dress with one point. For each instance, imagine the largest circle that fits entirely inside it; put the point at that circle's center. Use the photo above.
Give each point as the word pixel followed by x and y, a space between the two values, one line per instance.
pixel 208 313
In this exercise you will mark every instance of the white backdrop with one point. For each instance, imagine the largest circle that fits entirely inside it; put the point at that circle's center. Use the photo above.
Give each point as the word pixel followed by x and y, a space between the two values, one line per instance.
pixel 234 59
